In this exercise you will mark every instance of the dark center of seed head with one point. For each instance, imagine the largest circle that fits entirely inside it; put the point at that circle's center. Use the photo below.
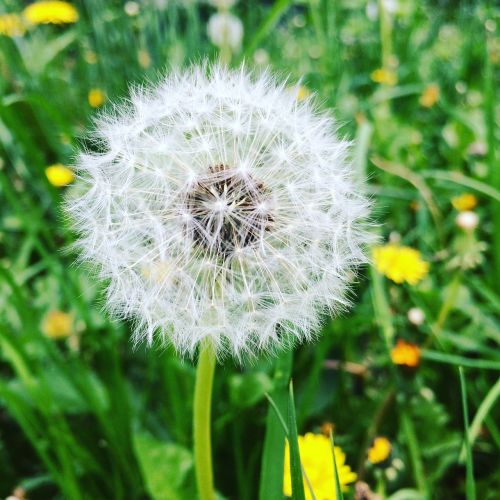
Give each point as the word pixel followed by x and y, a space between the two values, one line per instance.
pixel 228 211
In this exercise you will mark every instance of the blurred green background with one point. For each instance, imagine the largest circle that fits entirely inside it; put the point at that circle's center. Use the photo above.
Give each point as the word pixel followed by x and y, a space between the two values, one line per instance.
pixel 85 416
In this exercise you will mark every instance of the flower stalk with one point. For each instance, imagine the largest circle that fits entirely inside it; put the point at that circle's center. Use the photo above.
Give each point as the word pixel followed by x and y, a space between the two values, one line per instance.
pixel 201 422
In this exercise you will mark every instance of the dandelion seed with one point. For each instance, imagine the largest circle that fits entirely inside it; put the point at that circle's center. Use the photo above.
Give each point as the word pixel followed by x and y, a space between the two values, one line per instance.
pixel 380 450
pixel 50 12
pixel 464 202
pixel 405 354
pixel 317 461
pixel 59 175
pixel 222 209
pixel 96 97
pixel 57 325
pixel 400 264
pixel 11 25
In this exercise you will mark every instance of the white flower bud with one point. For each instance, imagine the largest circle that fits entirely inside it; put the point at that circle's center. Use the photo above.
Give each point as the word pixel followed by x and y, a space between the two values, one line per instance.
pixel 467 221
pixel 416 316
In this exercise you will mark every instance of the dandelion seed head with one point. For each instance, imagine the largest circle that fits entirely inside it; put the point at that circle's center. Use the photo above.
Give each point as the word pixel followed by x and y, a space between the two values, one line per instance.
pixel 219 207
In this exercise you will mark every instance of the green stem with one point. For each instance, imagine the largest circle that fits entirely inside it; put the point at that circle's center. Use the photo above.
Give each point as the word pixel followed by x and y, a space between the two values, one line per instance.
pixel 201 422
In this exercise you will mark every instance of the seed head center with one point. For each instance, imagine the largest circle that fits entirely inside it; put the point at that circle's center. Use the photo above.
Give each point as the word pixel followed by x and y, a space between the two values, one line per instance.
pixel 228 211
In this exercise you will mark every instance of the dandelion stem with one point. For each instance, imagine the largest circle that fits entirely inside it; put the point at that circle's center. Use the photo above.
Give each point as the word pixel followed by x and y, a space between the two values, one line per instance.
pixel 201 422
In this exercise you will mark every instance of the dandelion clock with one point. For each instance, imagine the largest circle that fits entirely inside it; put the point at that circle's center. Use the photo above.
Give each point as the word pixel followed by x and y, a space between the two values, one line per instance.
pixel 224 216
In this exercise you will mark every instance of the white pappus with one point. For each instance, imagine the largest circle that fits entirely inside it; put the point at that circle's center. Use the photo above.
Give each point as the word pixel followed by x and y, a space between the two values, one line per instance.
pixel 219 207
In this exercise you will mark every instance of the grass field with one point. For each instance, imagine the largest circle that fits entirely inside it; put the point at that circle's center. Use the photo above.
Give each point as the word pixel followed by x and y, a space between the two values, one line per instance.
pixel 408 379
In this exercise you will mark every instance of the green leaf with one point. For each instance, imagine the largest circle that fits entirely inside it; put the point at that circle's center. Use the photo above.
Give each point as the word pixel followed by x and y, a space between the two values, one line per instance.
pixel 482 412
pixel 470 486
pixel 271 475
pixel 165 467
pixel 293 440
pixel 338 490
pixel 248 389
pixel 451 359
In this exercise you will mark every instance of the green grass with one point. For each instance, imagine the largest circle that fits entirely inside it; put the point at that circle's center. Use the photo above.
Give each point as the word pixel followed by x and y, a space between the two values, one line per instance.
pixel 90 417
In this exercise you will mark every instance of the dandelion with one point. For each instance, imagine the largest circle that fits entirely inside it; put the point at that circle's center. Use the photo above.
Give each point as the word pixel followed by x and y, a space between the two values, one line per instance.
pixel 467 221
pixel 131 9
pixel 11 25
pixel 400 263
pixel 96 98
pixel 59 175
pixel 317 461
pixel 384 76
pixel 301 92
pixel 464 202
pixel 50 12
pixel 429 96
pixel 380 450
pixel 57 325
pixel 223 4
pixel 225 30
pixel 405 354
pixel 221 209
pixel 224 215
pixel 416 316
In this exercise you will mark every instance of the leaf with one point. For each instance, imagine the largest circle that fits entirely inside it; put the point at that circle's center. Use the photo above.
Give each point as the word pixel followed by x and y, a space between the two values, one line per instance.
pixel 406 494
pixel 295 465
pixel 452 359
pixel 248 389
pixel 165 467
pixel 271 475
pixel 470 486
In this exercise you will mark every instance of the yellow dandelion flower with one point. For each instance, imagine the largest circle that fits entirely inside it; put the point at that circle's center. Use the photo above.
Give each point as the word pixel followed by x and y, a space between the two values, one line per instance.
pixel 317 461
pixel 464 202
pixel 302 93
pixel 96 97
pixel 400 264
pixel 51 12
pixel 429 96
pixel 405 354
pixel 57 325
pixel 11 25
pixel 380 450
pixel 385 76
pixel 59 175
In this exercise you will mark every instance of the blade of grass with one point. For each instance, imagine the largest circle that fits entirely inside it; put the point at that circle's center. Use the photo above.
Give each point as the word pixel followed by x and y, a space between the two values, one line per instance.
pixel 338 490
pixel 453 359
pixel 271 475
pixel 463 180
pixel 414 451
pixel 470 486
pixel 293 440
pixel 267 25
pixel 481 414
